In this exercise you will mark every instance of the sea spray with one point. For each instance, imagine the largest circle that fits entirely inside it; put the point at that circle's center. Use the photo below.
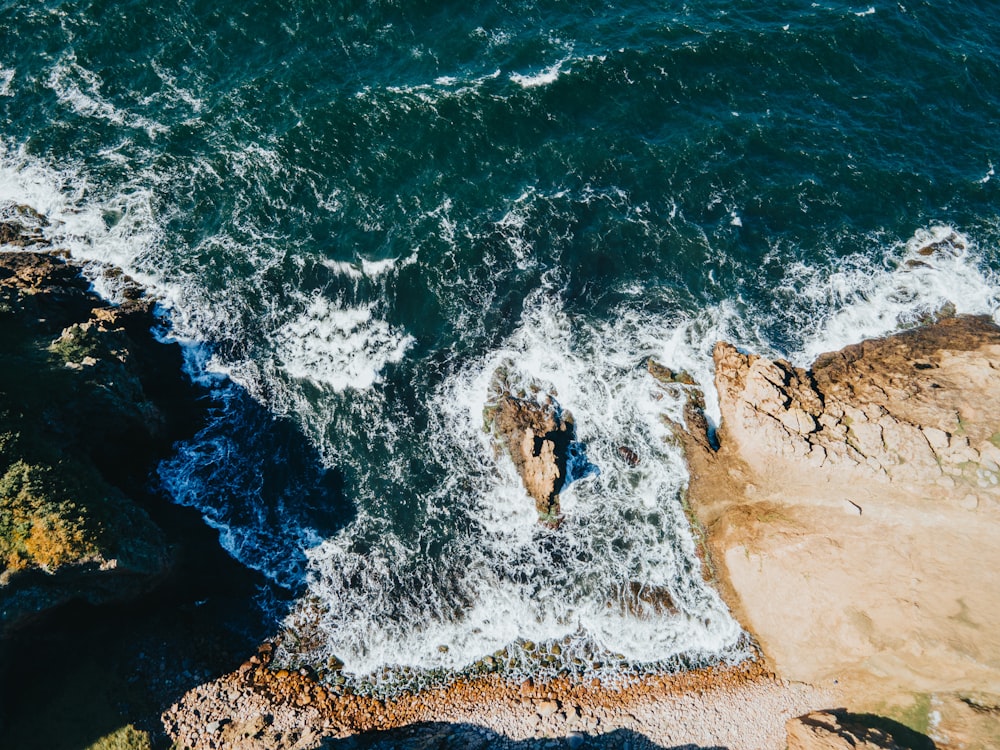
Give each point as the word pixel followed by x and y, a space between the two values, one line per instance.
pixel 500 577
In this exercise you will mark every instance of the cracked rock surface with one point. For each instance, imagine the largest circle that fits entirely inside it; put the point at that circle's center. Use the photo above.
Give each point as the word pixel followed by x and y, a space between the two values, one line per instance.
pixel 852 514
pixel 917 407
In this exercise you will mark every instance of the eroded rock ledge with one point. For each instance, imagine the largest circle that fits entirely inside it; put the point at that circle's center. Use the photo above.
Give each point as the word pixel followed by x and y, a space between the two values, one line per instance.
pixel 920 407
pixel 88 399
pixel 852 513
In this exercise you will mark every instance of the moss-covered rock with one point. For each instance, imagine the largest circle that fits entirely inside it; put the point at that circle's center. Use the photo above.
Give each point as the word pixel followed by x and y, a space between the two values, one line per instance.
pixel 80 425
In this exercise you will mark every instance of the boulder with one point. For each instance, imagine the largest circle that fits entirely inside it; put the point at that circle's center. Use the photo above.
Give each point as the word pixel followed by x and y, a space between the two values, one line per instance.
pixel 21 226
pixel 537 434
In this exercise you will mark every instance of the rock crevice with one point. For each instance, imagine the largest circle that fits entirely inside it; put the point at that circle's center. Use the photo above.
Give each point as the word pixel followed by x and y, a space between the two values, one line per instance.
pixel 895 409
pixel 537 434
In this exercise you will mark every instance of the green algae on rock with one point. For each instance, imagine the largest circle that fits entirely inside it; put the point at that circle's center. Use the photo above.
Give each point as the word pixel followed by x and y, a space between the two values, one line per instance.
pixel 78 427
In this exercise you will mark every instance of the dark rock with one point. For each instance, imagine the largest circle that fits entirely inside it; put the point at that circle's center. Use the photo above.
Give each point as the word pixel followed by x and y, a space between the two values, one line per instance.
pixel 88 400
pixel 21 226
pixel 628 455
pixel 665 375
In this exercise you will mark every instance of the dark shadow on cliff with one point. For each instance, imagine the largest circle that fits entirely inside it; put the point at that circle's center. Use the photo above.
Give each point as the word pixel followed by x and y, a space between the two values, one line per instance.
pixel 73 673
pixel 82 672
pixel 902 734
pixel 444 736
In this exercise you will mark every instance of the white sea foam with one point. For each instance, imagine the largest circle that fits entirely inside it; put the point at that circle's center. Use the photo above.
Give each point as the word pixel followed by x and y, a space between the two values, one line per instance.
pixel 371 269
pixel 543 77
pixel 80 89
pixel 861 298
pixel 6 79
pixel 443 87
pixel 112 230
pixel 504 577
pixel 338 346
pixel 175 90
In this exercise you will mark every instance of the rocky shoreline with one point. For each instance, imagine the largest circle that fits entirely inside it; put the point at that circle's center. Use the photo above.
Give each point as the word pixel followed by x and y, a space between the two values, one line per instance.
pixel 848 510
pixel 113 601
pixel 861 494
pixel 897 434
pixel 742 708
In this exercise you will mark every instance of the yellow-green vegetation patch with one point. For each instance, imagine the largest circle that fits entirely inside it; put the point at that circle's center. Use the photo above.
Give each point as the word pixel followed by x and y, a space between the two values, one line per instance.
pixel 916 716
pixel 78 342
pixel 123 738
pixel 44 518
pixel 56 512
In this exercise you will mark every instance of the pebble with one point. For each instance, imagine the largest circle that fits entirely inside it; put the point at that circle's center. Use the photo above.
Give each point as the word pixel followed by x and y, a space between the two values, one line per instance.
pixel 546 708
pixel 739 710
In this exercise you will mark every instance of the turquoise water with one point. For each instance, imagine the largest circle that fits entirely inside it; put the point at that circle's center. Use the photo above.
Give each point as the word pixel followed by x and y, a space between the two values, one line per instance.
pixel 354 213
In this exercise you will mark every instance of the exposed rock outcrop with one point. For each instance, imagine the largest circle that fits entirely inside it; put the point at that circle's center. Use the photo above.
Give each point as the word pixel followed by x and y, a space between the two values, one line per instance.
pixel 537 434
pixel 21 226
pixel 919 408
pixel 852 514
pixel 88 399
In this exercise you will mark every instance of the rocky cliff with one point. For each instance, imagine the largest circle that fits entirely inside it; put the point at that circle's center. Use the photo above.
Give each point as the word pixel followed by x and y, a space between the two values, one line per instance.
pixel 88 399
pixel 918 408
pixel 852 510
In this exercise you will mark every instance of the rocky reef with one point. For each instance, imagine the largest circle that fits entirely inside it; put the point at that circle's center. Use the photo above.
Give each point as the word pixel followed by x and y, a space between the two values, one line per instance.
pixel 852 515
pixel 88 399
pixel 538 435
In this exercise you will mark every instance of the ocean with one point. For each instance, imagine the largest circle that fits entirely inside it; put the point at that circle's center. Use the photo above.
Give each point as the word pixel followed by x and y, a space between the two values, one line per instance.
pixel 355 213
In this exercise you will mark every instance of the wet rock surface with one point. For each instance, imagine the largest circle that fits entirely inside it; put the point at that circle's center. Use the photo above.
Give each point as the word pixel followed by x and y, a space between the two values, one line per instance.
pixel 538 435
pixel 21 226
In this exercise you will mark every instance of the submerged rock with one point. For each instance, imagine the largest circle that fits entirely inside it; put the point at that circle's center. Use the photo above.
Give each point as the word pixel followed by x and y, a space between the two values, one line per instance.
pixel 628 455
pixel 665 375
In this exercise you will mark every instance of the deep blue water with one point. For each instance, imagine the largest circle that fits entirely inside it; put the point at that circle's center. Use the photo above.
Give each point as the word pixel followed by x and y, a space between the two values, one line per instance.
pixel 355 212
